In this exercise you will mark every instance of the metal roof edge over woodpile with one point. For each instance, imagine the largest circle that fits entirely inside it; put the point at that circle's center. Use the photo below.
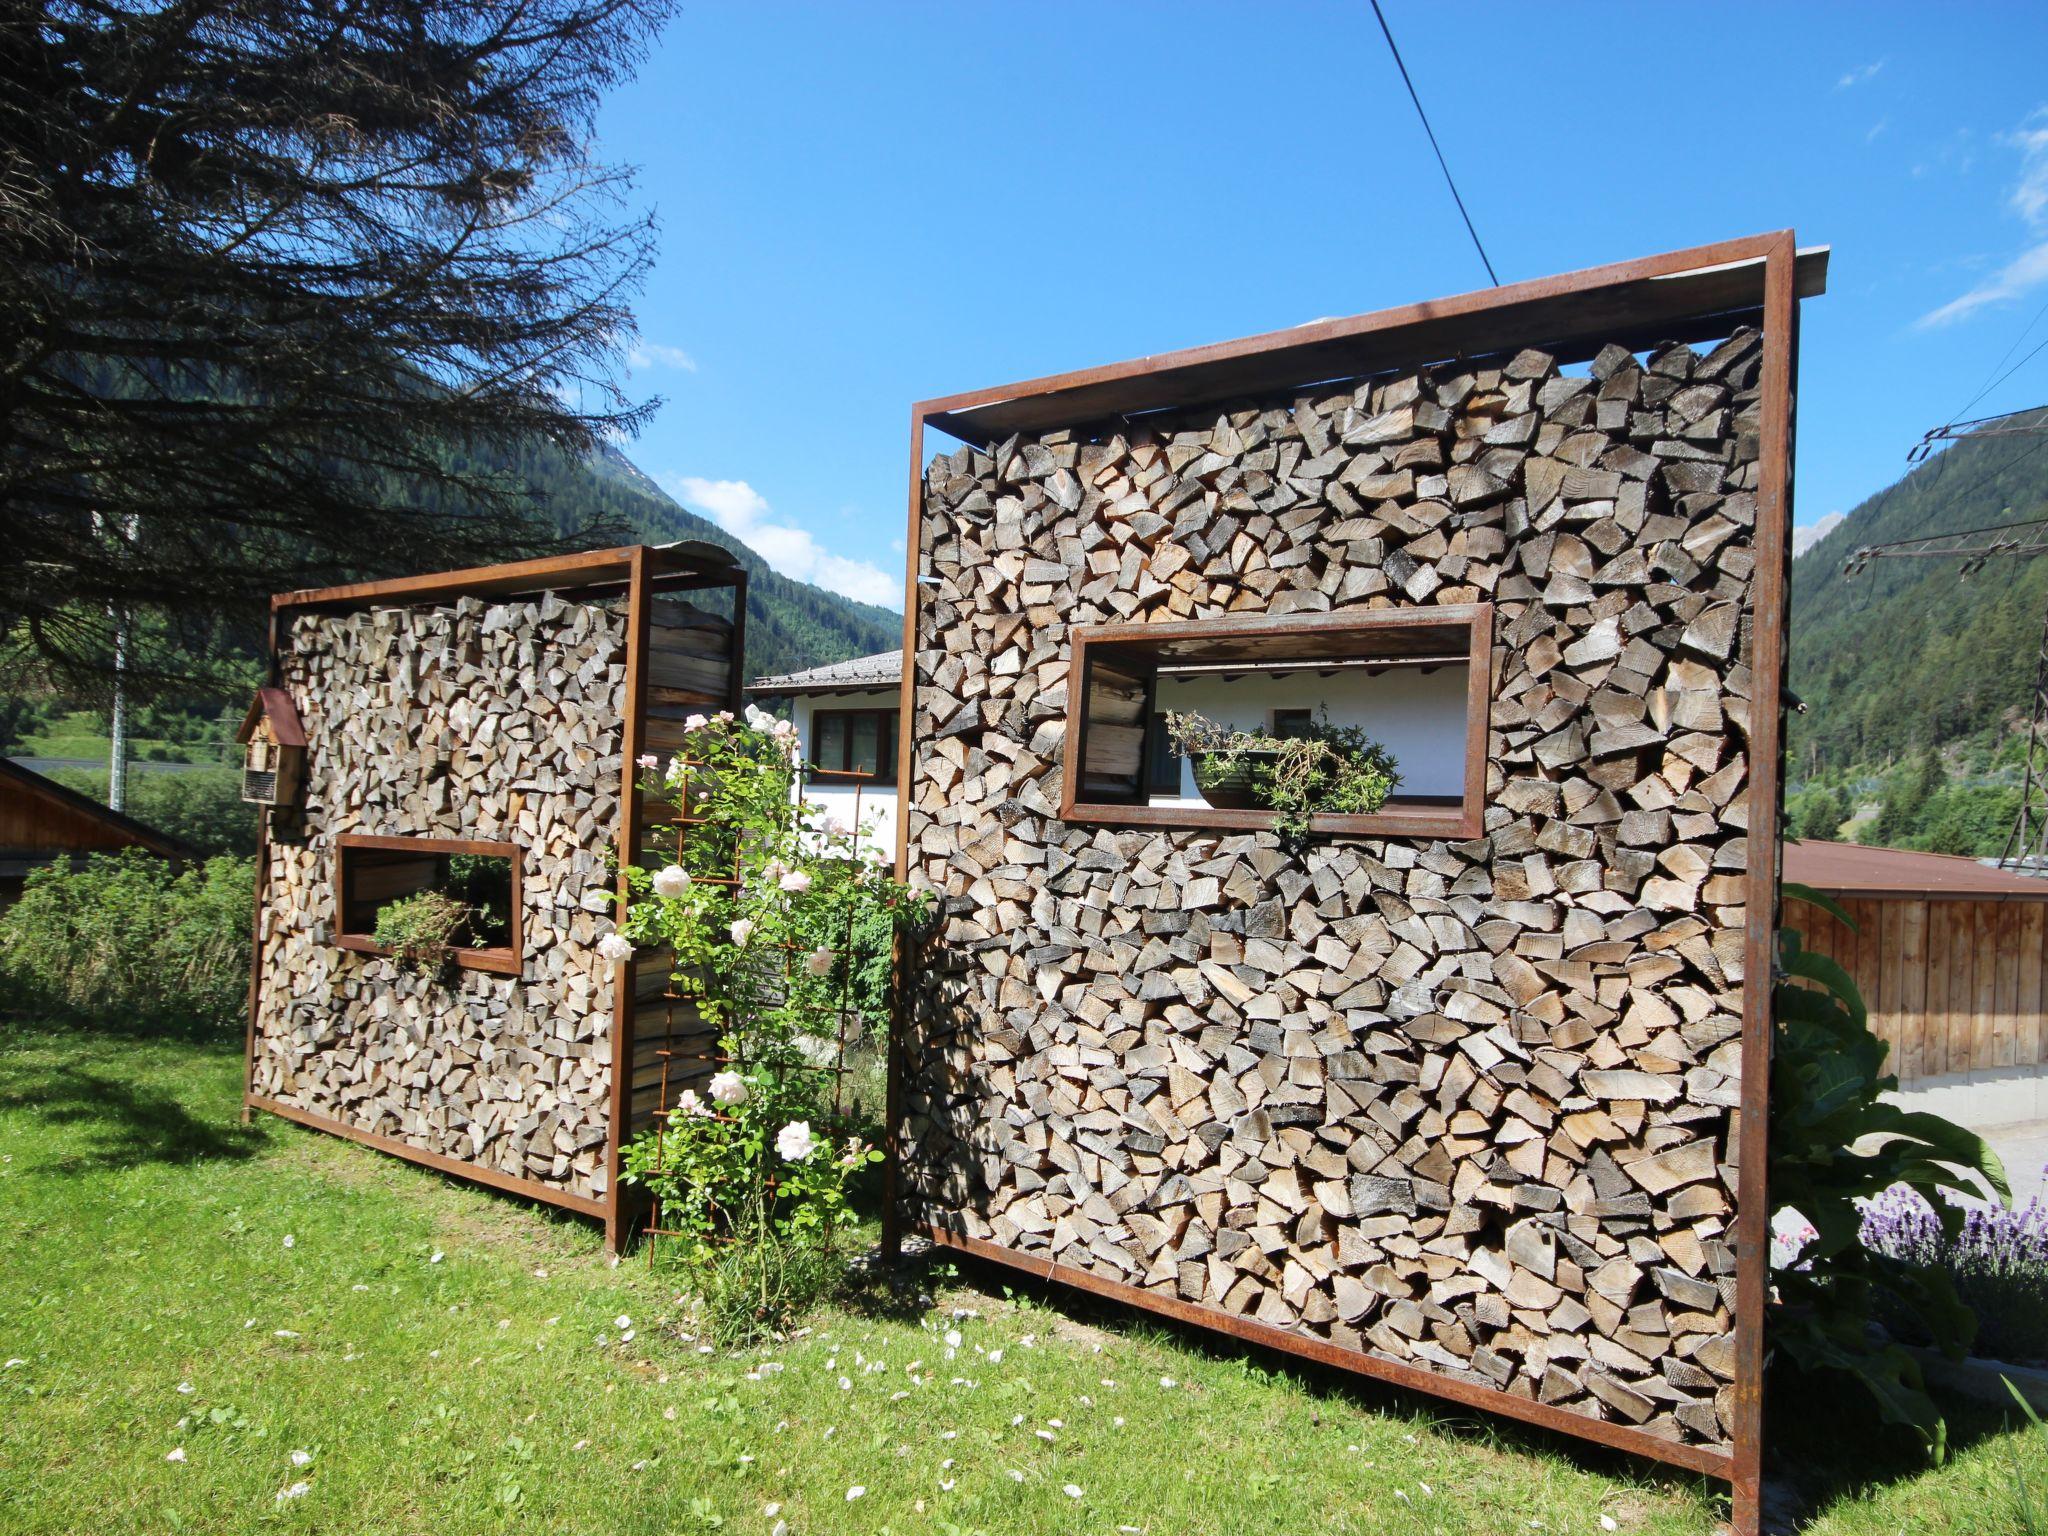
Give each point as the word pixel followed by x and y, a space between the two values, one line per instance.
pixel 672 564
pixel 1692 295
pixel 1850 869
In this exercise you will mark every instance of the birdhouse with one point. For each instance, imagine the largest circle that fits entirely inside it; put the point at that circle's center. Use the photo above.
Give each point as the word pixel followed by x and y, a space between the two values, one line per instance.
pixel 273 749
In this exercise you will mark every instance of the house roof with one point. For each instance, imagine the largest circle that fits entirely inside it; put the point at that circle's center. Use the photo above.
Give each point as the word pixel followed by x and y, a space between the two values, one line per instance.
pixel 124 829
pixel 1848 869
pixel 862 674
pixel 275 705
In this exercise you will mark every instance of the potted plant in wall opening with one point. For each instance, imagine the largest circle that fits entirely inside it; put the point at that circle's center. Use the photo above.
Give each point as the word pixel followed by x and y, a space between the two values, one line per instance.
pixel 1333 770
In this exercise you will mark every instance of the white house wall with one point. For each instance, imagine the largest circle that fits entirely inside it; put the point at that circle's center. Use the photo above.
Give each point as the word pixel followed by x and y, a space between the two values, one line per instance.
pixel 877 798
pixel 1416 715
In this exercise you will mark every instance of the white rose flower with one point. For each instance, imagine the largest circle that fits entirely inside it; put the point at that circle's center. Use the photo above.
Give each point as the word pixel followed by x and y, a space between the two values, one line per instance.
pixel 688 1102
pixel 795 880
pixel 672 881
pixel 695 723
pixel 742 930
pixel 794 1141
pixel 729 1088
pixel 821 962
pixel 615 947
pixel 759 718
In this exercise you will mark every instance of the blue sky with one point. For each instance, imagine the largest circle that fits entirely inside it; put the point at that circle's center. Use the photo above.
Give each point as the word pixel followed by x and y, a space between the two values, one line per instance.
pixel 863 206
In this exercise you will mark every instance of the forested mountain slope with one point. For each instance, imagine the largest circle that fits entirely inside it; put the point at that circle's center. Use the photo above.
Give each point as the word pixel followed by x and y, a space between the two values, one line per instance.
pixel 1918 678
pixel 1909 653
pixel 790 624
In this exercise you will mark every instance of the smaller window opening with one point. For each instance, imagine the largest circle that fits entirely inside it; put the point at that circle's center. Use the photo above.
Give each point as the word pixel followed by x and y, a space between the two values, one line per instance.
pixel 374 873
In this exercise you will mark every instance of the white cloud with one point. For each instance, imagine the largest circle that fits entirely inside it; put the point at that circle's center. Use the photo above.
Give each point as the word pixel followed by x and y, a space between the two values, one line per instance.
pixel 744 513
pixel 2030 194
pixel 2021 275
pixel 1858 75
pixel 1806 535
pixel 2029 199
pixel 643 355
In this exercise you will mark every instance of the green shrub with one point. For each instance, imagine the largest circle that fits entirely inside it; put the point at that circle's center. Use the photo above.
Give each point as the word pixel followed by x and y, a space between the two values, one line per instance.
pixel 127 940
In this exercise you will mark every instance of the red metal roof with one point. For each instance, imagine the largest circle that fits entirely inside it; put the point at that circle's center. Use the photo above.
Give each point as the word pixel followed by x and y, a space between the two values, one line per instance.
pixel 1852 870
pixel 275 705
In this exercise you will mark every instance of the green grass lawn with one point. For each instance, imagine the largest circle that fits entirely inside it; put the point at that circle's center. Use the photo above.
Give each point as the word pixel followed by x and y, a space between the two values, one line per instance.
pixel 335 1341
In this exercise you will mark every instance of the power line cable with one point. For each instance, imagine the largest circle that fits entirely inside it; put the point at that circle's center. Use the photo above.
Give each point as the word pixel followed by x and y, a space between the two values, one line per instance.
pixel 1388 33
pixel 2009 372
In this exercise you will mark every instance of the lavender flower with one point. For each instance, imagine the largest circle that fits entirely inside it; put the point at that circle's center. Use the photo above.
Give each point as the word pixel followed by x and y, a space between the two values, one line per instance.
pixel 1998 1261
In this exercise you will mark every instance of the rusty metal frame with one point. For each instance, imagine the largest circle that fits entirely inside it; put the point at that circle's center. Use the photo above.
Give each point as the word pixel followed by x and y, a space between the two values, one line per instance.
pixel 640 572
pixel 1689 295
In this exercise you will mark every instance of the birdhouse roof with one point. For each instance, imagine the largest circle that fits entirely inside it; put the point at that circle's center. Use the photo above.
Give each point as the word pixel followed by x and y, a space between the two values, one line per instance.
pixel 274 705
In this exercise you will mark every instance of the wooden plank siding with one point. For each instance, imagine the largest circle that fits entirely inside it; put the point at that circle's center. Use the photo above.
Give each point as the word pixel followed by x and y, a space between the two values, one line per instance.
pixel 1951 986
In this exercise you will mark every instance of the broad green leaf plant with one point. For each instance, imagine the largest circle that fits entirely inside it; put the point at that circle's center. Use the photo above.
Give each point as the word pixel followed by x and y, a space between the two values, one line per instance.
pixel 1835 1142
pixel 778 923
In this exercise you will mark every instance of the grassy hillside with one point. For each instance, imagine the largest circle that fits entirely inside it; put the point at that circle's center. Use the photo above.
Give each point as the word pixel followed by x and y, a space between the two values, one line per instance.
pixel 1916 678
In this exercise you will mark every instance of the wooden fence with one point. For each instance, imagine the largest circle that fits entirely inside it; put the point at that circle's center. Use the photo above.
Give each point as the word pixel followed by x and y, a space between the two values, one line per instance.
pixel 1952 985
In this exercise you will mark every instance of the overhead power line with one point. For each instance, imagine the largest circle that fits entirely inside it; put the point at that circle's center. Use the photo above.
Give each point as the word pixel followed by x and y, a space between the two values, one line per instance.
pixel 1984 426
pixel 1388 33
pixel 2000 378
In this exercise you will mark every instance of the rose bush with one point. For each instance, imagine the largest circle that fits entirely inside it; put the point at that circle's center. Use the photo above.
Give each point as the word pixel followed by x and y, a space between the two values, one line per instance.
pixel 774 919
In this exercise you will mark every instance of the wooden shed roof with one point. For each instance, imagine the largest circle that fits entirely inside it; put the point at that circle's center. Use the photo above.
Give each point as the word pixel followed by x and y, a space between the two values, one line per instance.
pixel 1849 869
pixel 68 805
pixel 1690 296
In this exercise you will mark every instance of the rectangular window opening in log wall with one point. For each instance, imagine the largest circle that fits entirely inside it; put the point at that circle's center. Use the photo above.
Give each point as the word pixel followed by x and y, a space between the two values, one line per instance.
pixel 852 743
pixel 371 873
pixel 1417 680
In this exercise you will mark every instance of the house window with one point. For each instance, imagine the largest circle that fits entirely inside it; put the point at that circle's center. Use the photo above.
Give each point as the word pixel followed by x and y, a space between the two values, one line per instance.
pixel 373 872
pixel 1162 763
pixel 1415 680
pixel 846 742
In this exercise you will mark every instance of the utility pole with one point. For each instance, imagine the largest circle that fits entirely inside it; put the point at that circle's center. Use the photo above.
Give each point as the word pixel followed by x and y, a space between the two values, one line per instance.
pixel 117 722
pixel 117 750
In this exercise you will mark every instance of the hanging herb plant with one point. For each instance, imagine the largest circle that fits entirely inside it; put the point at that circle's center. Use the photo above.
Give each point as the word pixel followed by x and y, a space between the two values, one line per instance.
pixel 1334 769
pixel 421 930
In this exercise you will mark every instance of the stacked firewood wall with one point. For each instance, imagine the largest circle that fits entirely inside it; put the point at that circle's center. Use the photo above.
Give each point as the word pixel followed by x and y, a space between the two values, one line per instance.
pixel 1464 1105
pixel 477 719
